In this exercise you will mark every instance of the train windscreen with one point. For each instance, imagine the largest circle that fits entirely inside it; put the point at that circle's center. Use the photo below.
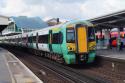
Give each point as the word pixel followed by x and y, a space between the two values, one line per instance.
pixel 91 34
pixel 70 36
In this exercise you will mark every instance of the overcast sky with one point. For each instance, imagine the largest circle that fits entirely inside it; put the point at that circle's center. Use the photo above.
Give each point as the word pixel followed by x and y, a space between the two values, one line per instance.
pixel 65 9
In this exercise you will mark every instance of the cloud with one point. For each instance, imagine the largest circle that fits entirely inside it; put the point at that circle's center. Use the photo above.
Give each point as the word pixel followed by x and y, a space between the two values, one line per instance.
pixel 101 7
pixel 66 9
pixel 53 1
pixel 13 7
pixel 20 8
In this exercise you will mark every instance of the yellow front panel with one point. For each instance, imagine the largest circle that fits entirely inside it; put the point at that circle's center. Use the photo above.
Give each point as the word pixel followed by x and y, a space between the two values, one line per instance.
pixel 92 45
pixel 71 47
pixel 82 40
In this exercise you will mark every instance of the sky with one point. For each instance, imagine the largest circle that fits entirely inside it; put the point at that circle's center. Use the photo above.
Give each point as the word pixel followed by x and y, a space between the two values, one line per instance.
pixel 64 9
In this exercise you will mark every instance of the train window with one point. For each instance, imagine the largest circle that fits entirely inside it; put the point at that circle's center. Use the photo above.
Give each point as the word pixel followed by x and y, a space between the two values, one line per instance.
pixel 19 39
pixel 24 40
pixel 57 38
pixel 30 40
pixel 34 39
pixel 70 35
pixel 91 34
pixel 43 39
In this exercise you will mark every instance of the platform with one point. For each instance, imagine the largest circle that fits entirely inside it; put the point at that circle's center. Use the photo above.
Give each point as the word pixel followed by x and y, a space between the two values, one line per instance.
pixel 12 70
pixel 111 53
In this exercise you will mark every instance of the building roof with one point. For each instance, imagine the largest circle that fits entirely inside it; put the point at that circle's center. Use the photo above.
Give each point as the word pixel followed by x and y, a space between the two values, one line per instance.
pixel 4 21
pixel 4 16
pixel 29 22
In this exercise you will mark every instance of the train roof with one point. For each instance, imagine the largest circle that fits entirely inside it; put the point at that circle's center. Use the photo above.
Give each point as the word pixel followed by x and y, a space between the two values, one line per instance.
pixel 88 23
pixel 64 24
pixel 60 25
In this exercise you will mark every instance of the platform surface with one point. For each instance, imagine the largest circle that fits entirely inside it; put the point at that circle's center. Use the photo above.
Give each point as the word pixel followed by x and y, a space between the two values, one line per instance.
pixel 112 53
pixel 12 70
pixel 4 72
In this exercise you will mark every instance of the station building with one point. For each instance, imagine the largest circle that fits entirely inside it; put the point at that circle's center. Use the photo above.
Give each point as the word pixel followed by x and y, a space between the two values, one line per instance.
pixel 23 24
pixel 55 21
pixel 4 21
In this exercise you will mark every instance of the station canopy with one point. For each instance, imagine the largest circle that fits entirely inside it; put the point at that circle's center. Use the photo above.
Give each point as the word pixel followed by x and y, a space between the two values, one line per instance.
pixel 114 20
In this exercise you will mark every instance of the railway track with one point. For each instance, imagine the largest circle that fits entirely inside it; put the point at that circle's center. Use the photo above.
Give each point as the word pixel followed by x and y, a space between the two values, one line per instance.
pixel 70 73
pixel 64 72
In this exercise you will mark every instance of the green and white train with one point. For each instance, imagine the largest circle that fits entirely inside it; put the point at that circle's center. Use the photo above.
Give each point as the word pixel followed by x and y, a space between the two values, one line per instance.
pixel 71 43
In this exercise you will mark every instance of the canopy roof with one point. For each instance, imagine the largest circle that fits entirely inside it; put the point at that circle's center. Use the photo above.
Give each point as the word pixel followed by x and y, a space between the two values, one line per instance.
pixel 114 20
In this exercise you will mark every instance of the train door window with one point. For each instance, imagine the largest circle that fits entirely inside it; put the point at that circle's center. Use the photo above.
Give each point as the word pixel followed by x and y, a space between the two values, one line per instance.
pixel 60 37
pixel 19 39
pixel 11 40
pixel 43 39
pixel 70 37
pixel 26 39
pixel 57 38
pixel 30 39
pixel 14 40
pixel 91 32
pixel 37 37
pixel 34 39
pixel 7 40
pixel 22 39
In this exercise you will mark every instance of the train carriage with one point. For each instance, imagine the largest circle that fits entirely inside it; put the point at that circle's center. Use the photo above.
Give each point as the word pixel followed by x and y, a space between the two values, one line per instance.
pixel 43 40
pixel 72 42
pixel 24 39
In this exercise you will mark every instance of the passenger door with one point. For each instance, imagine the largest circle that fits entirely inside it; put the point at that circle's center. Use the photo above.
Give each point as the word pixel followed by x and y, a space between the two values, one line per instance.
pixel 31 40
pixel 50 40
pixel 56 42
pixel 81 33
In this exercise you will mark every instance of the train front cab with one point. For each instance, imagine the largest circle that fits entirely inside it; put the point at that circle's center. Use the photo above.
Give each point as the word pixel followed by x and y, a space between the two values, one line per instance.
pixel 80 41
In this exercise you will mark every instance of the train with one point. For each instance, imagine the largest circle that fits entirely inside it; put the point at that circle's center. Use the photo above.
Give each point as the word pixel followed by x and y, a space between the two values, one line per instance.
pixel 72 42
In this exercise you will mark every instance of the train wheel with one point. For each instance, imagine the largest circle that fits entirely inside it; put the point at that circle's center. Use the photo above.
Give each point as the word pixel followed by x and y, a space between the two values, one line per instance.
pixel 45 54
pixel 36 52
pixel 60 59
pixel 49 55
pixel 55 57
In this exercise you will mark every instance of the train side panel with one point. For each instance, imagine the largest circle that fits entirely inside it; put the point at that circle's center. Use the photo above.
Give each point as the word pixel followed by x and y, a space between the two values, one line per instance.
pixel 43 40
pixel 69 57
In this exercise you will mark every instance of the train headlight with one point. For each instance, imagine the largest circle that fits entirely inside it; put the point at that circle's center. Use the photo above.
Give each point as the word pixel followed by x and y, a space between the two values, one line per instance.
pixel 70 49
pixel 92 48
